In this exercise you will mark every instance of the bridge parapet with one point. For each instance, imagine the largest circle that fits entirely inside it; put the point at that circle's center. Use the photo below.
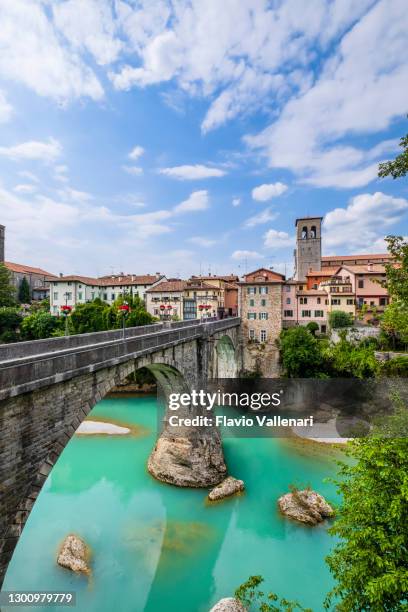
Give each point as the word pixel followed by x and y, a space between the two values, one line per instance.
pixel 50 363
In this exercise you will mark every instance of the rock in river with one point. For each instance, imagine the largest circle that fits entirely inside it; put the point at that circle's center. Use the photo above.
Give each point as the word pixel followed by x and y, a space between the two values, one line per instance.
pixel 74 555
pixel 226 488
pixel 305 506
pixel 228 604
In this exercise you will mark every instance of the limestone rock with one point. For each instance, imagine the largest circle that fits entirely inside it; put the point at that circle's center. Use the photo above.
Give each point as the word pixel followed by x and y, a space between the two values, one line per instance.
pixel 74 555
pixel 305 506
pixel 228 604
pixel 187 462
pixel 226 488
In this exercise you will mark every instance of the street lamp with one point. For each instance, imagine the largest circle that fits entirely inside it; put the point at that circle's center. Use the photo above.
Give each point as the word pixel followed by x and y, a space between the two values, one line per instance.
pixel 66 311
pixel 124 310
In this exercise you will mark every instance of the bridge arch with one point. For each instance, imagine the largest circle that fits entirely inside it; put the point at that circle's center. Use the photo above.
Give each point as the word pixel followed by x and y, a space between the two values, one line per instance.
pixel 225 354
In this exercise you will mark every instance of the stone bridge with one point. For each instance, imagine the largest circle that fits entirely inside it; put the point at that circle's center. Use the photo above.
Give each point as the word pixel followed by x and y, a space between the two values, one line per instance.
pixel 47 388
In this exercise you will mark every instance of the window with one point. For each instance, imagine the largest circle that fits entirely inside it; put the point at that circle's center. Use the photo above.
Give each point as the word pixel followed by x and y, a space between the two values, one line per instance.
pixel 287 288
pixel 314 286
pixel 361 283
pixel 372 303
pixel 252 302
pixel 304 232
pixel 288 313
pixel 350 302
pixel 313 231
pixel 383 301
pixel 303 300
pixel 79 295
pixel 263 290
pixel 306 313
pixel 263 316
pixel 288 300
pixel 262 335
pixel 92 295
pixel 263 302
pixel 55 296
pixel 251 290
pixel 112 297
pixel 323 329
pixel 68 295
pixel 55 309
pixel 251 316
pixel 300 287
pixel 252 334
pixel 335 302
pixel 156 312
pixel 318 313
pixel 326 302
pixel 318 300
pixel 105 296
pixel 69 284
pixel 79 286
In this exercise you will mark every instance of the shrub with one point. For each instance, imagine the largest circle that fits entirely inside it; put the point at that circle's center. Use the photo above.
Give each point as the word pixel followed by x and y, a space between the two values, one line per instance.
pixel 339 318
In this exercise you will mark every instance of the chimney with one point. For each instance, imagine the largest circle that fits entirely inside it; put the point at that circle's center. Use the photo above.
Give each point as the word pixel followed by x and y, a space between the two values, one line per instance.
pixel 158 275
pixel 61 275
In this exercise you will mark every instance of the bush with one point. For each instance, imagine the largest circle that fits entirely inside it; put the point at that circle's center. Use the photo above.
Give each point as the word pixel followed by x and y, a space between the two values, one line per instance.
pixel 395 367
pixel 10 320
pixel 312 327
pixel 339 318
pixel 39 325
pixel 300 353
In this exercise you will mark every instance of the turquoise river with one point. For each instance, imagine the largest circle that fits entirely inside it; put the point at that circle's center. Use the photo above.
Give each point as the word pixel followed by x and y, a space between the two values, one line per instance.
pixel 158 548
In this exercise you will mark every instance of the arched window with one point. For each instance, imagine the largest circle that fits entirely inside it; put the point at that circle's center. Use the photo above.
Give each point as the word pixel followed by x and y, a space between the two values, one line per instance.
pixel 313 231
pixel 304 232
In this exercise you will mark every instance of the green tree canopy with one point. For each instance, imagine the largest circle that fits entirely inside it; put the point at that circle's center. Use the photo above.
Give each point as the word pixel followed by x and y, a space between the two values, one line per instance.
pixel 10 320
pixel 39 325
pixel 370 563
pixel 339 318
pixel 300 353
pixel 24 296
pixel 399 166
pixel 7 291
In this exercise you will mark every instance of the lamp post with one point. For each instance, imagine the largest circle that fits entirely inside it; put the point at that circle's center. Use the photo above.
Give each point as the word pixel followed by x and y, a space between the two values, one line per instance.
pixel 66 311
pixel 124 309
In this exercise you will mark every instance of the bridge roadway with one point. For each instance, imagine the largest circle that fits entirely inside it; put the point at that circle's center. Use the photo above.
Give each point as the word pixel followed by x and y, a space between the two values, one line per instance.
pixel 28 366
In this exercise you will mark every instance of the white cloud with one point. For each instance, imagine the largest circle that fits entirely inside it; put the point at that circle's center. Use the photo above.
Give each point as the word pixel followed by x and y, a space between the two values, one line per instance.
pixel 187 173
pixel 6 110
pixel 267 191
pixel 198 200
pixel 33 150
pixel 95 31
pixel 202 242
pixel 32 54
pixel 361 226
pixel 274 239
pixel 25 188
pixel 136 152
pixel 236 201
pixel 135 170
pixel 29 175
pixel 347 98
pixel 263 217
pixel 60 173
pixel 240 255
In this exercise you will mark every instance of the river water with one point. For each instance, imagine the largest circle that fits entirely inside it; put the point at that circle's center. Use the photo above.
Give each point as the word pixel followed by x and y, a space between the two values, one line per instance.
pixel 161 548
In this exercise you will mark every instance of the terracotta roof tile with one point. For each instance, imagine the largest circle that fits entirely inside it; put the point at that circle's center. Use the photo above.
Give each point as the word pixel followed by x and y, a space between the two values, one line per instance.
pixel 168 286
pixel 22 268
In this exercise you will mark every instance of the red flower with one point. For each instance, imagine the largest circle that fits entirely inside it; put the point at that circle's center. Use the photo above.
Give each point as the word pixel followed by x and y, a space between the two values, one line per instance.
pixel 124 307
pixel 162 307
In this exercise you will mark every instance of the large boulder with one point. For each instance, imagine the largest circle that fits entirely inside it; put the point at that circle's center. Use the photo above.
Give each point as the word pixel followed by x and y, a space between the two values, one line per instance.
pixel 228 604
pixel 226 488
pixel 188 461
pixel 305 506
pixel 74 554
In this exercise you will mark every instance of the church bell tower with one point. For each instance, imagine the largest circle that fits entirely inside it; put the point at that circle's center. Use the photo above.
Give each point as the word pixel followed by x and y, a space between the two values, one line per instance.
pixel 308 253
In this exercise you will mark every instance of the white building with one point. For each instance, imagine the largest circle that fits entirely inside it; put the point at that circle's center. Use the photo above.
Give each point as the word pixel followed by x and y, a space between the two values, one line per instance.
pixel 72 290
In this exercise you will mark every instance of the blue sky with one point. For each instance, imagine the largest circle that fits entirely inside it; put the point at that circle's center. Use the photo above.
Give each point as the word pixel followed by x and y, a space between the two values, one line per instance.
pixel 185 136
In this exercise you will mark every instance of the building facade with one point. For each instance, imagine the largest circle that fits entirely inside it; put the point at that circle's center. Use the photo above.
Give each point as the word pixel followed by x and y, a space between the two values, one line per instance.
pixel 74 289
pixel 165 300
pixel 308 253
pixel 260 309
pixel 38 280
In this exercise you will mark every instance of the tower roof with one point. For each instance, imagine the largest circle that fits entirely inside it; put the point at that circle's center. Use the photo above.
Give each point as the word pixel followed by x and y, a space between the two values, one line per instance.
pixel 308 219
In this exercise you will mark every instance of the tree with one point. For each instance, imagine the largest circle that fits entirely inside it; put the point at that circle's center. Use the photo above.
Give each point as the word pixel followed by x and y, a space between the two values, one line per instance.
pixel 398 167
pixel 313 327
pixel 339 318
pixel 248 594
pixel 24 296
pixel 90 317
pixel 10 320
pixel 7 291
pixel 394 321
pixel 300 353
pixel 370 563
pixel 39 325
pixel 350 360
